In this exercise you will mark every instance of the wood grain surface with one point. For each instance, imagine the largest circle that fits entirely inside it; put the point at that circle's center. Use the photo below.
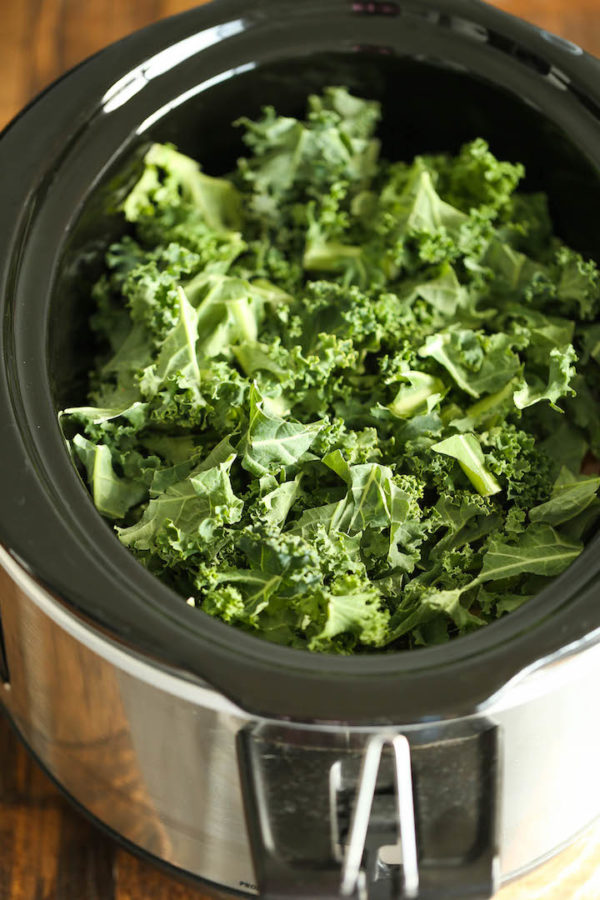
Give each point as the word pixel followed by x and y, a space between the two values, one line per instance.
pixel 47 850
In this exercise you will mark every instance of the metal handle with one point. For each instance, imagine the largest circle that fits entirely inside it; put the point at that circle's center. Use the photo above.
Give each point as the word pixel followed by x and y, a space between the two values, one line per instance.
pixel 372 815
pixel 407 839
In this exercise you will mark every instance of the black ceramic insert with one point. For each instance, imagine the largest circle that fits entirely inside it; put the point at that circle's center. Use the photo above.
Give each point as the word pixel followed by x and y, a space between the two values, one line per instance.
pixel 445 71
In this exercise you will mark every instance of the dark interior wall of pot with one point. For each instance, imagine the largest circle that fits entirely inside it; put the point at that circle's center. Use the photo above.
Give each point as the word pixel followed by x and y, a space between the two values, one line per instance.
pixel 426 108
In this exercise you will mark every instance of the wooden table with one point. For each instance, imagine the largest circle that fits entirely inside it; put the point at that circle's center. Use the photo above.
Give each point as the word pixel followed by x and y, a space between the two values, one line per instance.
pixel 47 850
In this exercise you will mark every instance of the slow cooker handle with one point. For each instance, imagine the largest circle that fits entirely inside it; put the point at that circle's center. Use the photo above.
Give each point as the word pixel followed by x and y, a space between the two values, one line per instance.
pixel 359 813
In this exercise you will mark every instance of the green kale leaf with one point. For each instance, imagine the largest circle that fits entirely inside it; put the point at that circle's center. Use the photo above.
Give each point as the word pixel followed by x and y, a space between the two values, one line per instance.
pixel 342 403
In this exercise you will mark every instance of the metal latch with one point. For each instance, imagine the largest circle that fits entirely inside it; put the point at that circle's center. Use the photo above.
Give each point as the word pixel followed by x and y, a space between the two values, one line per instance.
pixel 352 852
pixel 372 815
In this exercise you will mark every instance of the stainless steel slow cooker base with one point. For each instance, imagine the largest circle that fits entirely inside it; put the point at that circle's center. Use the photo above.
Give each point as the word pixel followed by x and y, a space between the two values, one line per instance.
pixel 153 755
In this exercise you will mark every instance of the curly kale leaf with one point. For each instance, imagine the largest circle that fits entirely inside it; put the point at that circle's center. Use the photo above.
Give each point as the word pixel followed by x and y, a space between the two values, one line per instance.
pixel 341 403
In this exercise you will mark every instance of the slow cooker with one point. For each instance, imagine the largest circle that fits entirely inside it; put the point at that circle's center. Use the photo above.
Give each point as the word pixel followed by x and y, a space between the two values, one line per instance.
pixel 436 773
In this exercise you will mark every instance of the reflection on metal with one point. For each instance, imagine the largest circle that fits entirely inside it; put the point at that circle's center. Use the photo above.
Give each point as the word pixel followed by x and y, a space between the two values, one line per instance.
pixel 132 83
pixel 192 92
pixel 140 758
pixel 351 869
pixel 335 786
